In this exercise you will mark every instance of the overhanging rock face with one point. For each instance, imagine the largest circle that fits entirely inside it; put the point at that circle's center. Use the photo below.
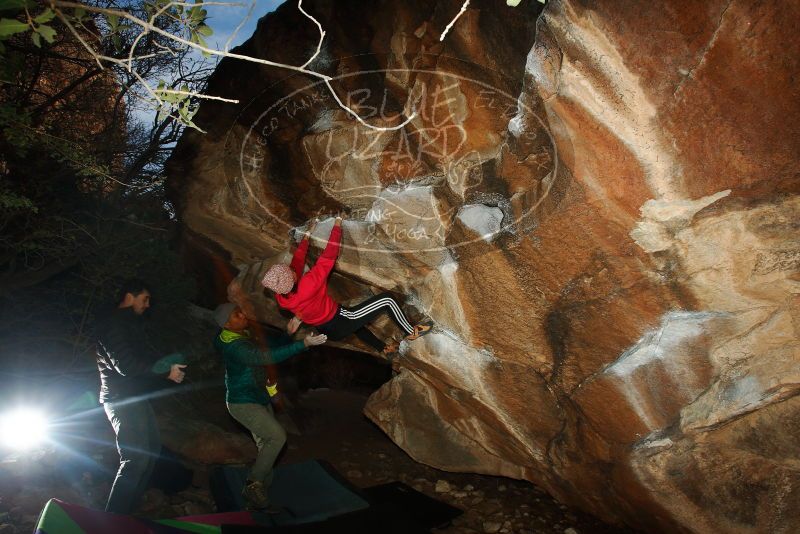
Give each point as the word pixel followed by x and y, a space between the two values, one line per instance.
pixel 597 207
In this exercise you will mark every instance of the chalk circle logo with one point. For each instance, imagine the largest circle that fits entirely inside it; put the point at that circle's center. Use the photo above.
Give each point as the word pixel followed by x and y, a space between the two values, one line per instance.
pixel 406 187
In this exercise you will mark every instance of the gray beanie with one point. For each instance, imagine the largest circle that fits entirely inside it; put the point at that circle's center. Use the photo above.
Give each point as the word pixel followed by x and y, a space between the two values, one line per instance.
pixel 223 313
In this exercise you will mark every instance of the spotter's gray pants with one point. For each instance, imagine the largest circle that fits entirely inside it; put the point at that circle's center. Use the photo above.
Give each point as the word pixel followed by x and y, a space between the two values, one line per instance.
pixel 268 433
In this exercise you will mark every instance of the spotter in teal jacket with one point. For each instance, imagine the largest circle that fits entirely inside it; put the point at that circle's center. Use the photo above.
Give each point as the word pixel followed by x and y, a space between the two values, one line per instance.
pixel 245 375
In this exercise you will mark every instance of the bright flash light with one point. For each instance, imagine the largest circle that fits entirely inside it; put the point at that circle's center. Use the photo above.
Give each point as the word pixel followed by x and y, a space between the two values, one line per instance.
pixel 23 428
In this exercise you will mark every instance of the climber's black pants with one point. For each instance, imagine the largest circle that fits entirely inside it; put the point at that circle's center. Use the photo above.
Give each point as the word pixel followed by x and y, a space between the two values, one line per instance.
pixel 353 320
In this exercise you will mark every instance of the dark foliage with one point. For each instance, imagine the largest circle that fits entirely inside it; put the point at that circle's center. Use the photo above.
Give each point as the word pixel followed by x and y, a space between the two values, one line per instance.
pixel 81 200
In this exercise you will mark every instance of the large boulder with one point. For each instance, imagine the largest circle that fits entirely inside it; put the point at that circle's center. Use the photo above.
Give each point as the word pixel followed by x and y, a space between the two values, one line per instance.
pixel 596 204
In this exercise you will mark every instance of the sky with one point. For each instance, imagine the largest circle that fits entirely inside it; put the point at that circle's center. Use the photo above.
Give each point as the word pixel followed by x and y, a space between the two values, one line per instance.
pixel 224 20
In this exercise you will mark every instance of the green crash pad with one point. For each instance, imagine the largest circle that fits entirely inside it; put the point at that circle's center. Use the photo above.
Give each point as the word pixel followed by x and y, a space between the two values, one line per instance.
pixel 310 491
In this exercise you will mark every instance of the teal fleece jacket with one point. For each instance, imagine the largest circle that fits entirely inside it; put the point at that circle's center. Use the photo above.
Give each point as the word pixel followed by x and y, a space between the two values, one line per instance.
pixel 245 375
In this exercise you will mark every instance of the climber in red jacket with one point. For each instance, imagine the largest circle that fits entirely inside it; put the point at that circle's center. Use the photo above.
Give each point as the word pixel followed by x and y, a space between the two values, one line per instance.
pixel 306 295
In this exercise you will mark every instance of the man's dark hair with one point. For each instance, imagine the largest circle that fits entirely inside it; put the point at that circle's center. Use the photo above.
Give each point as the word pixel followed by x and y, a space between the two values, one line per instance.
pixel 134 286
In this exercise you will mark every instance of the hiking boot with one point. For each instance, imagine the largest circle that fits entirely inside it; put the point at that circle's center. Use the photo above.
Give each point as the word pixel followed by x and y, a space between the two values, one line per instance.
pixel 255 494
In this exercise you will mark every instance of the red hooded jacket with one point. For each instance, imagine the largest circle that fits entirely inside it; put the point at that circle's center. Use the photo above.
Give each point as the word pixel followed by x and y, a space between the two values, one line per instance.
pixel 310 300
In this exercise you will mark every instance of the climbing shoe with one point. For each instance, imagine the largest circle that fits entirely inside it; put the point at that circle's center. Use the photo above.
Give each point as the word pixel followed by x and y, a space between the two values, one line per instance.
pixel 420 330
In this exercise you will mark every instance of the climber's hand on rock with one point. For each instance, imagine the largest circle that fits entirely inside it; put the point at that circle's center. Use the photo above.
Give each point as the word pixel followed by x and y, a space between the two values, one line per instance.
pixel 293 325
pixel 176 373
pixel 310 229
pixel 311 339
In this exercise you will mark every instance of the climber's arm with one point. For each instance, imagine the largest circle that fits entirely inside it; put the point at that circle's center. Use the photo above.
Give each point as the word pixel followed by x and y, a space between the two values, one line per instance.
pixel 299 259
pixel 324 265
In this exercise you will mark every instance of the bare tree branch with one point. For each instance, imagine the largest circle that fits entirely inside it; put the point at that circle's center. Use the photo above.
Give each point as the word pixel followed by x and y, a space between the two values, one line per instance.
pixel 149 26
pixel 241 24
pixel 88 75
pixel 321 33
pixel 461 12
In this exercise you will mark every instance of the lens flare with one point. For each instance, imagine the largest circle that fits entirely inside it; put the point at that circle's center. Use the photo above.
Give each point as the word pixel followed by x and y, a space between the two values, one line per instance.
pixel 23 428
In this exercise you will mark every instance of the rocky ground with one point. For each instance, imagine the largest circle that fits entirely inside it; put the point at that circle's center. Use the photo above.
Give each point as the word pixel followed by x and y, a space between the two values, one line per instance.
pixel 324 424
pixel 366 457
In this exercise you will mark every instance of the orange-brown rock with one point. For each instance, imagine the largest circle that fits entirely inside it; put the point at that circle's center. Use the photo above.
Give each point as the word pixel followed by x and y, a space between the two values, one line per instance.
pixel 596 204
